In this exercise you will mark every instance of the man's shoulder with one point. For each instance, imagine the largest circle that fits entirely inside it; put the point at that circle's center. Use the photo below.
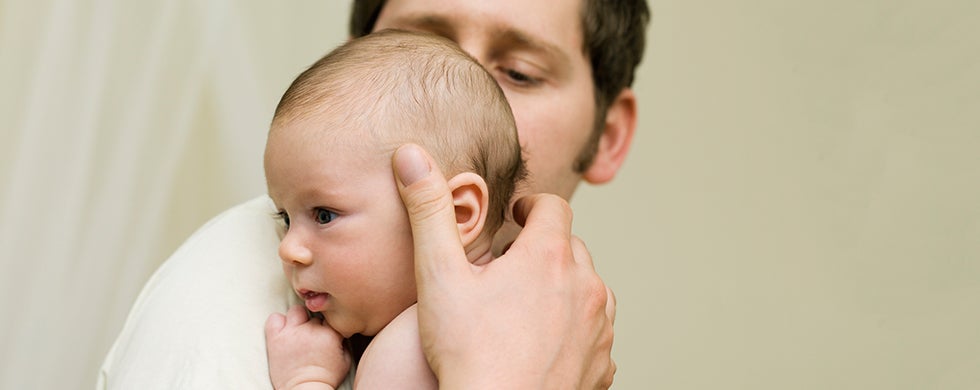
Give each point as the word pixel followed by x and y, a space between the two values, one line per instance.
pixel 198 321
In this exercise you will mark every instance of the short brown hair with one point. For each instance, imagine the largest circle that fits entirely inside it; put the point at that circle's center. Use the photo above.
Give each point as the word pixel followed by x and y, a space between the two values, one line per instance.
pixel 422 88
pixel 614 38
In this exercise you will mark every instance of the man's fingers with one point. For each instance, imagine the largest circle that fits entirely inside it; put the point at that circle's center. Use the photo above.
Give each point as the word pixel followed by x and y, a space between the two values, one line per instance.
pixel 430 208
pixel 610 305
pixel 608 380
pixel 581 253
pixel 582 256
pixel 544 217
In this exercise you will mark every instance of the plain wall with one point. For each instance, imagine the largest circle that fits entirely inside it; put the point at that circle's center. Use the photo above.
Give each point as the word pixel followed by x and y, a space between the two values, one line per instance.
pixel 801 208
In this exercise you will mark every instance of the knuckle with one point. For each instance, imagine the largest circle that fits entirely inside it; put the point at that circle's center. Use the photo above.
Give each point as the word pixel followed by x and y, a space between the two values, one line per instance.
pixel 557 200
pixel 554 250
pixel 576 241
pixel 562 208
pixel 426 204
pixel 580 250
pixel 596 292
pixel 610 374
pixel 565 208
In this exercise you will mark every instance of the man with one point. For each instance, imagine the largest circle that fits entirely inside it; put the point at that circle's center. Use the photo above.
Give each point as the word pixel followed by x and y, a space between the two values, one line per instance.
pixel 566 67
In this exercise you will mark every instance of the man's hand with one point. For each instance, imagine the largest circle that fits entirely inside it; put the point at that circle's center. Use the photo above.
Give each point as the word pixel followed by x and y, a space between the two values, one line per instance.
pixel 304 352
pixel 536 317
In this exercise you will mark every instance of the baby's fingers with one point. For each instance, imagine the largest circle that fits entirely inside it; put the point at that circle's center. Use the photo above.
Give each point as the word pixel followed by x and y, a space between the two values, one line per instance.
pixel 274 324
pixel 296 315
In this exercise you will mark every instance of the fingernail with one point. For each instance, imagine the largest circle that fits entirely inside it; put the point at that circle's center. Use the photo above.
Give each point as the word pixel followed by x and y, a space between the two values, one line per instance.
pixel 410 165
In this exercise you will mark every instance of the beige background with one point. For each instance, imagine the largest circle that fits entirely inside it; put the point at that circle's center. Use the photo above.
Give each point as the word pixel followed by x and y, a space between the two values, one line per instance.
pixel 801 208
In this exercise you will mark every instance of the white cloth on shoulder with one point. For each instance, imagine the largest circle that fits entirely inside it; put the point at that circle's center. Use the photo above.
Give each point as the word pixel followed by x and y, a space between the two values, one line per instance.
pixel 198 323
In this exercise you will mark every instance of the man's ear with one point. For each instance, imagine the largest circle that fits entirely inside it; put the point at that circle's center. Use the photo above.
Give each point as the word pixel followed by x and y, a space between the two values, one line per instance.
pixel 616 138
pixel 471 199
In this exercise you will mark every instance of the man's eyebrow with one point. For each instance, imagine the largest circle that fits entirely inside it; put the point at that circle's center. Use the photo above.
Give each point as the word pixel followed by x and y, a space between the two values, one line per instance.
pixel 426 21
pixel 508 35
pixel 524 40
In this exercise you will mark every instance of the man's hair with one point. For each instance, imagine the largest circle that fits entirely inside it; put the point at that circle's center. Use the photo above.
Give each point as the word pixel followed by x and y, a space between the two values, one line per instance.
pixel 404 87
pixel 613 36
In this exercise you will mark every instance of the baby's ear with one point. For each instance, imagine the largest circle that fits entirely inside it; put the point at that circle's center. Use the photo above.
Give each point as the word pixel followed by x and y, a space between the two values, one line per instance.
pixel 470 198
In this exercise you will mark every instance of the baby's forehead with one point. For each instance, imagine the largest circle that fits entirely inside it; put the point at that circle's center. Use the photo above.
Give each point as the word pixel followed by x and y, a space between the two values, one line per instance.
pixel 328 138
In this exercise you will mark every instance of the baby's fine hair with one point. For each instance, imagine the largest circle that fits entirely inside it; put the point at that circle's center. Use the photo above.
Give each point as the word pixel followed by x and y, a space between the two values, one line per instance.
pixel 405 87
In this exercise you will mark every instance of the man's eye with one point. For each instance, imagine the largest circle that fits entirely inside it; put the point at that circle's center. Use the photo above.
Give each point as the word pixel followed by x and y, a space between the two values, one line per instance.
pixel 323 216
pixel 519 77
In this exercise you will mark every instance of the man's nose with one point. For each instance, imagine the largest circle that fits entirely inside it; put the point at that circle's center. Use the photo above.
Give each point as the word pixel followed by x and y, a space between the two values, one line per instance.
pixel 475 47
pixel 293 250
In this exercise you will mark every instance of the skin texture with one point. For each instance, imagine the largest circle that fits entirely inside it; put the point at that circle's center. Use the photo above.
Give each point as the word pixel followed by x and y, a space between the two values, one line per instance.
pixel 395 359
pixel 308 355
pixel 537 317
pixel 534 51
pixel 362 257
pixel 546 78
pixel 545 284
pixel 348 238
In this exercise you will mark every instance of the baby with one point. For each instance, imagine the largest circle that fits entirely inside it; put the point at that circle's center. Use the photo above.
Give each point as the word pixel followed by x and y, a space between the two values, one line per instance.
pixel 347 248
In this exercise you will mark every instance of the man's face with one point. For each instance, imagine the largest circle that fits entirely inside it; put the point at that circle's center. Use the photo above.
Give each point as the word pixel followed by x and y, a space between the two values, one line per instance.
pixel 534 51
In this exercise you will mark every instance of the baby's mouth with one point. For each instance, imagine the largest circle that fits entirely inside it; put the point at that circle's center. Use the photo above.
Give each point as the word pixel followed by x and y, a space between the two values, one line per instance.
pixel 315 301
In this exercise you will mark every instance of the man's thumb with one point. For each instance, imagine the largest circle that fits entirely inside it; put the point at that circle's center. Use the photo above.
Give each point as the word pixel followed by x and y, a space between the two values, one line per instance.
pixel 429 203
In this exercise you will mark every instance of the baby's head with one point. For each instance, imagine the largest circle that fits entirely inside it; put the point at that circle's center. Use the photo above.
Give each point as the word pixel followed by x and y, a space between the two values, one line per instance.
pixel 348 247
pixel 398 87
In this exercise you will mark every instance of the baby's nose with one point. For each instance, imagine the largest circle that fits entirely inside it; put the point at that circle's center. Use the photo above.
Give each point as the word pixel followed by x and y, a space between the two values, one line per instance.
pixel 292 251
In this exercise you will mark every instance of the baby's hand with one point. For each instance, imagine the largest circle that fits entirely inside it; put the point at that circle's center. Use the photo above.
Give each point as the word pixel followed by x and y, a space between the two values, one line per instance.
pixel 304 351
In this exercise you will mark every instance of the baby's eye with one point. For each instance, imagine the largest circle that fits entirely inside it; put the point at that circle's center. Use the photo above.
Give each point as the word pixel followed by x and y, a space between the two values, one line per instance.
pixel 323 216
pixel 284 217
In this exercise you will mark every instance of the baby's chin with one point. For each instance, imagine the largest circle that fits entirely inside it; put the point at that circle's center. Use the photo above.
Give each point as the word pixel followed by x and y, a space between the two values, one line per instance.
pixel 347 330
pixel 365 323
